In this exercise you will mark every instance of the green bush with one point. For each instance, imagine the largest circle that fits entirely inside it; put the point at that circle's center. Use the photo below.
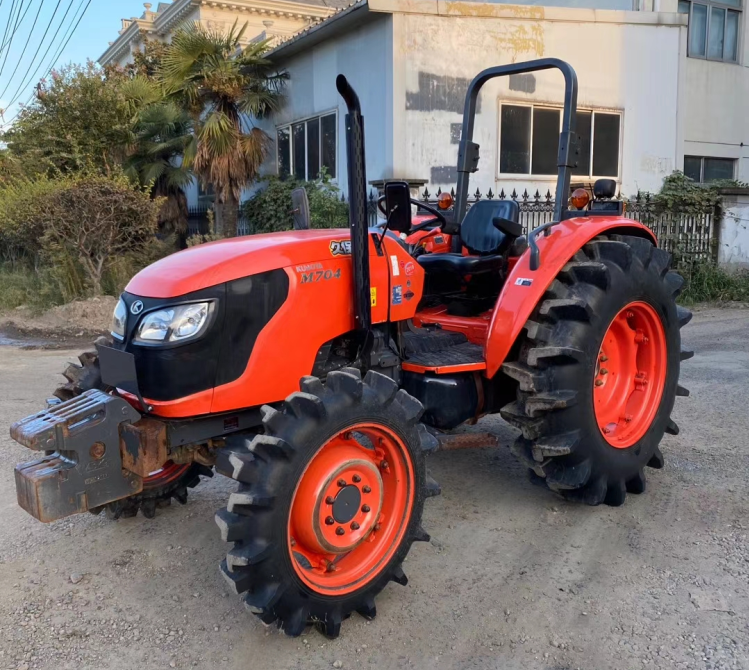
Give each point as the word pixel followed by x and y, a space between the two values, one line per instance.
pixel 73 236
pixel 269 210
pixel 705 282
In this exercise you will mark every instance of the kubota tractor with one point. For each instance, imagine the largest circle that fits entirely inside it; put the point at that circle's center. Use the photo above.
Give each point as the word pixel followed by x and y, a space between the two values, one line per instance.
pixel 318 368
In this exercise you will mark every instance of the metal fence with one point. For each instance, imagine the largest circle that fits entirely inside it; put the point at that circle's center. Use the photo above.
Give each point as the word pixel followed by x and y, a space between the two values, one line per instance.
pixel 690 236
pixel 198 222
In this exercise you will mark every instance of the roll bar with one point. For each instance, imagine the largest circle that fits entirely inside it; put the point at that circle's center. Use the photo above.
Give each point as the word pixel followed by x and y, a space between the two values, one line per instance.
pixel 468 151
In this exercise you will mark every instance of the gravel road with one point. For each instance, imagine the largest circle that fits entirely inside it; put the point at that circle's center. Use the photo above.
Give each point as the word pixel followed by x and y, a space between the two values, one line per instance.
pixel 513 577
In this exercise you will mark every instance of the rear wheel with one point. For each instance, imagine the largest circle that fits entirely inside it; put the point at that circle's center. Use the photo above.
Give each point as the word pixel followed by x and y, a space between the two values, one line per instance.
pixel 329 501
pixel 598 371
pixel 170 481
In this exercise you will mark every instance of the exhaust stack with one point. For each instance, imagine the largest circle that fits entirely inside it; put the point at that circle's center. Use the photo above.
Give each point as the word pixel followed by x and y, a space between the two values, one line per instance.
pixel 357 186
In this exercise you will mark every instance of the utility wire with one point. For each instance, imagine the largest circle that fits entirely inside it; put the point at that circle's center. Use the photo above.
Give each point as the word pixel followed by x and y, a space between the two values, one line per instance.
pixel 10 41
pixel 25 46
pixel 66 39
pixel 5 42
pixel 30 76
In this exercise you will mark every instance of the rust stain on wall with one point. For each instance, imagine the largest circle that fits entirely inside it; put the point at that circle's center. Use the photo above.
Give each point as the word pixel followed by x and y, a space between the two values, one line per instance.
pixel 497 11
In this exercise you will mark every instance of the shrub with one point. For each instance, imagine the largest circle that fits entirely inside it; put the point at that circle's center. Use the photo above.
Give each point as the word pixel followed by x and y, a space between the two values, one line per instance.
pixel 269 210
pixel 706 282
pixel 83 234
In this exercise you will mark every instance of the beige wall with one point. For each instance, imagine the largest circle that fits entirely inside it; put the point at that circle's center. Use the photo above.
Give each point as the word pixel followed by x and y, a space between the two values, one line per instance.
pixel 623 63
pixel 716 106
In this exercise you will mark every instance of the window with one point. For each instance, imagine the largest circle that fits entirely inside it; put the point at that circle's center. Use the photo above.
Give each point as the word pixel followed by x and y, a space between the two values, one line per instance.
pixel 529 140
pixel 306 146
pixel 704 169
pixel 713 28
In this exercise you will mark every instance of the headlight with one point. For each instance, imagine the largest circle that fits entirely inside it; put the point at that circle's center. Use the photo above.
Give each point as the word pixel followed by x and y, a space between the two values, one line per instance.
pixel 174 324
pixel 118 320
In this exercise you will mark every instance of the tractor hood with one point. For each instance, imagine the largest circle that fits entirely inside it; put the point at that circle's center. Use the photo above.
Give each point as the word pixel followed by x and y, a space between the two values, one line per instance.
pixel 217 262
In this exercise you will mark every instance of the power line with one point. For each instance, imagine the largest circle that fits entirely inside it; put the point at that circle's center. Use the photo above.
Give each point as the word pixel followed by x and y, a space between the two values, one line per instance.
pixel 30 77
pixel 25 46
pixel 66 39
pixel 5 42
pixel 15 28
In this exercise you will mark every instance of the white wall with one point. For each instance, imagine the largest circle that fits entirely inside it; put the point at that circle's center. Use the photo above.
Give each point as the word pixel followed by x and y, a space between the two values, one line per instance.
pixel 733 249
pixel 622 62
pixel 716 104
pixel 364 56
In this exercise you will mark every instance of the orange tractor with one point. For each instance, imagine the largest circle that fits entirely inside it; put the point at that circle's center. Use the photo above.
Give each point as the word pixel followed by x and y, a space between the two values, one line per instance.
pixel 318 368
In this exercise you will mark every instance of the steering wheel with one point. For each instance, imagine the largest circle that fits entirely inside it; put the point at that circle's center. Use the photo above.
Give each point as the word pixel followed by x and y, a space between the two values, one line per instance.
pixel 421 205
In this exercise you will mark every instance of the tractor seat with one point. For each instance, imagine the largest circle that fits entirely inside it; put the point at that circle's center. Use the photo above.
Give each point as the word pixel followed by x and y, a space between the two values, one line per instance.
pixel 487 231
pixel 460 264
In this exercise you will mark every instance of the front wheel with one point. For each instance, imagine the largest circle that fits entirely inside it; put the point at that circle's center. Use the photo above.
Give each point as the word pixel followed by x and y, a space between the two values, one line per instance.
pixel 329 501
pixel 598 371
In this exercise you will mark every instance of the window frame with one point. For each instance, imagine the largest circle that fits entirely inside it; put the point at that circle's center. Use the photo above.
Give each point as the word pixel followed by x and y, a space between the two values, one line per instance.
pixel 709 4
pixel 519 176
pixel 702 181
pixel 289 125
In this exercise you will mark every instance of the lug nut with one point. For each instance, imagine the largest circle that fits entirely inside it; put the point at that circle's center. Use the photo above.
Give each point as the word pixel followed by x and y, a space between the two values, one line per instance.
pixel 385 465
pixel 366 489
pixel 603 358
pixel 365 508
pixel 330 521
pixel 341 483
pixel 607 430
pixel 339 531
pixel 356 479
pixel 354 525
pixel 330 500
pixel 599 382
pixel 604 371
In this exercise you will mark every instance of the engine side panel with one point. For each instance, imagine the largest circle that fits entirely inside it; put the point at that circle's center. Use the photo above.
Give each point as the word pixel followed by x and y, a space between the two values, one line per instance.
pixel 524 288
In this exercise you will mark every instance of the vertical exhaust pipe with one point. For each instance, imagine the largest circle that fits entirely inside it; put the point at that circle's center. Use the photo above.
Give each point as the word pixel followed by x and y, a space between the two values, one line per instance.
pixel 357 187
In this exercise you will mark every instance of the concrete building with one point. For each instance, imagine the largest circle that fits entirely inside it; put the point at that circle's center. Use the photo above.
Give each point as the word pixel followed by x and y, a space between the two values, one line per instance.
pixel 664 85
pixel 267 19
pixel 655 93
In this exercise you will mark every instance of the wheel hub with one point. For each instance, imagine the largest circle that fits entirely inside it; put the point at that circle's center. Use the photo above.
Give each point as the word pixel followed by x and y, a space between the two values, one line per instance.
pixel 346 504
pixel 350 508
pixel 630 374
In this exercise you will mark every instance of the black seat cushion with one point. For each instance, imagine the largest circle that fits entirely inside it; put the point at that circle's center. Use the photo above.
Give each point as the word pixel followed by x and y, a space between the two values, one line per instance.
pixel 459 264
pixel 478 231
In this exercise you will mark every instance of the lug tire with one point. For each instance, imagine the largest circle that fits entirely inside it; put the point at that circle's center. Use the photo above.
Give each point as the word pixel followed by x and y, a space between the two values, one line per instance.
pixel 86 376
pixel 263 564
pixel 559 358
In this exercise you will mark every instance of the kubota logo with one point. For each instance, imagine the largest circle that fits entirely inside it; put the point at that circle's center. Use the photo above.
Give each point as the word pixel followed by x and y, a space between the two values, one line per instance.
pixel 340 247
pixel 136 307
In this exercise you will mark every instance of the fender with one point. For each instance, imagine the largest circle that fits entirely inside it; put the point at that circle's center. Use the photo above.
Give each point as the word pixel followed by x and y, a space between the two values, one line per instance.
pixel 518 299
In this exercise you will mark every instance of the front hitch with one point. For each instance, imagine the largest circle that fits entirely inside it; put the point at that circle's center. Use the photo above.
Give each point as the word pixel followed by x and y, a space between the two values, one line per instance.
pixel 82 468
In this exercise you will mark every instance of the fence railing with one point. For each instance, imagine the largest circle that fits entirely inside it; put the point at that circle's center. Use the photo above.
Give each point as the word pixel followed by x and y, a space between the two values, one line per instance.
pixel 690 236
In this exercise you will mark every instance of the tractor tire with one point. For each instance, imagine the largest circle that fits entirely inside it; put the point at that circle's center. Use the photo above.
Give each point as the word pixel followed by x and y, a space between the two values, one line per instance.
pixel 329 501
pixel 171 481
pixel 598 371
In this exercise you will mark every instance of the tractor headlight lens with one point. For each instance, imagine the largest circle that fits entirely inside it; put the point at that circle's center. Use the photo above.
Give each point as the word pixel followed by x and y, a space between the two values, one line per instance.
pixel 175 324
pixel 118 320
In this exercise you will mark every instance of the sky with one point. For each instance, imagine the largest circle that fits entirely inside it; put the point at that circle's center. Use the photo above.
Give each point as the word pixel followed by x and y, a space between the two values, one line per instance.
pixel 22 59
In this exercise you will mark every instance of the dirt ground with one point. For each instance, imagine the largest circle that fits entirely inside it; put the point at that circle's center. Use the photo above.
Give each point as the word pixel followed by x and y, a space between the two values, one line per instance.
pixel 513 577
pixel 66 326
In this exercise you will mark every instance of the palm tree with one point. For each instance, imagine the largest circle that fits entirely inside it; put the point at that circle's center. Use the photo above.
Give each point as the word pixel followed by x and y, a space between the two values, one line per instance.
pixel 163 146
pixel 224 86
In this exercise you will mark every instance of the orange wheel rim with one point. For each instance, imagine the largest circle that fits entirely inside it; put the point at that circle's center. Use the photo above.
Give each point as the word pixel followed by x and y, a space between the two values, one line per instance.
pixel 351 509
pixel 166 474
pixel 630 375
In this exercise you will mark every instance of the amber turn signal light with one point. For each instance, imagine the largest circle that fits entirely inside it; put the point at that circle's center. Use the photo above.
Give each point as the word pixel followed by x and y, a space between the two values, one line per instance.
pixel 579 198
pixel 444 201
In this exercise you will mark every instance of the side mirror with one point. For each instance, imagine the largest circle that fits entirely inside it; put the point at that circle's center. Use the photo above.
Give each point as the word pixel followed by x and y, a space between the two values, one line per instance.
pixel 300 209
pixel 398 206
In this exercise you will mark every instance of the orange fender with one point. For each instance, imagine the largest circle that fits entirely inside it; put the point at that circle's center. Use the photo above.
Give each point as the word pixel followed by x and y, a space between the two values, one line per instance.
pixel 524 288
